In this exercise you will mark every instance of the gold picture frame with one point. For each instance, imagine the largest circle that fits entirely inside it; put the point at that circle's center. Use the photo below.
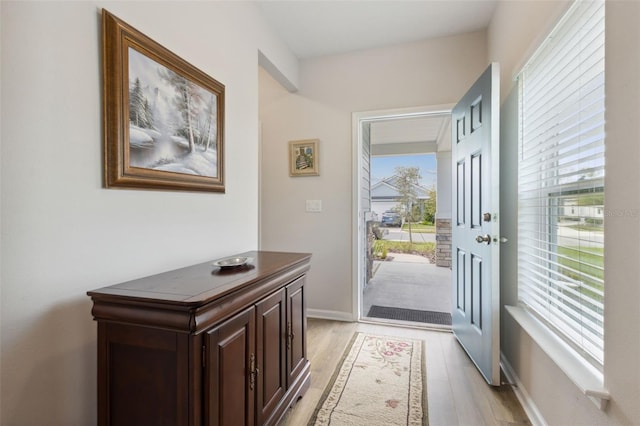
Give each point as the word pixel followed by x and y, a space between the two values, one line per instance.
pixel 163 117
pixel 304 158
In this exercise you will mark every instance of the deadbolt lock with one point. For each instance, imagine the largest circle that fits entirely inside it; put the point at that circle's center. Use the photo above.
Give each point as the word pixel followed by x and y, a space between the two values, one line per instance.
pixel 486 217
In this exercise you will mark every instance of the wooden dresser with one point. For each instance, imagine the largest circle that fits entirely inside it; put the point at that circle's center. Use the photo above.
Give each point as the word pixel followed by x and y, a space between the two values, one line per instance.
pixel 203 345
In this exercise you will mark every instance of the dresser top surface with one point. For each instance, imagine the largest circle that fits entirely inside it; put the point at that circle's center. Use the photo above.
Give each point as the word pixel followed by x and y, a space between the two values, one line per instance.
pixel 203 282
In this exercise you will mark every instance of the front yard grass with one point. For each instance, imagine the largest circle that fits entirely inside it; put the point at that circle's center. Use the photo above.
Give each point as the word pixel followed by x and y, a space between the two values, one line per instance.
pixel 588 261
pixel 420 228
pixel 380 247
pixel 582 259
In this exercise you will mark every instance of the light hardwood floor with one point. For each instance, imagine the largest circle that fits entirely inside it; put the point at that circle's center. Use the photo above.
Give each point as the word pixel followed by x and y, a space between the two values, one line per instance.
pixel 456 393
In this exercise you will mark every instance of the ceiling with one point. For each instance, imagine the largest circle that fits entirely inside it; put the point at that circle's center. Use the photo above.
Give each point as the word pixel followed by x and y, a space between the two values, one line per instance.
pixel 411 135
pixel 313 28
pixel 316 28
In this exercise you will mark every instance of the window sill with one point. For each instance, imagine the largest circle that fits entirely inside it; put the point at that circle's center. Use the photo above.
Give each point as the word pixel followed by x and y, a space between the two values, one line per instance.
pixel 585 377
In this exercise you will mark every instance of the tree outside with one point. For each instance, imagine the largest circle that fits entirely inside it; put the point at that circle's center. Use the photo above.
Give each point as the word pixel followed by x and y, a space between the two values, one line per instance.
pixel 430 207
pixel 407 183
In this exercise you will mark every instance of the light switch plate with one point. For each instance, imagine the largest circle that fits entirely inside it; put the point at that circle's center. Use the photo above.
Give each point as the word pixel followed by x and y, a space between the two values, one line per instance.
pixel 314 206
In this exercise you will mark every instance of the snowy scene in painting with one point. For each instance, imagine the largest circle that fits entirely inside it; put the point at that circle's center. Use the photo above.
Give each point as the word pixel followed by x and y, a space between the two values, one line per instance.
pixel 172 121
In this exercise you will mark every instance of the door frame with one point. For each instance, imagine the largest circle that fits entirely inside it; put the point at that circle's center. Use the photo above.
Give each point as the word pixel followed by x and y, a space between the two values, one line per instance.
pixel 357 120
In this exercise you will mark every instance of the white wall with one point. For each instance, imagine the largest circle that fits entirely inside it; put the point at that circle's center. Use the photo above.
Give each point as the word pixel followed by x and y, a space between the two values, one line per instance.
pixel 514 30
pixel 62 233
pixel 433 72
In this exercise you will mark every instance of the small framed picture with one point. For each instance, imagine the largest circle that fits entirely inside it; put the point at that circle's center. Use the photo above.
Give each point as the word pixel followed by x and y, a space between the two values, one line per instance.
pixel 304 157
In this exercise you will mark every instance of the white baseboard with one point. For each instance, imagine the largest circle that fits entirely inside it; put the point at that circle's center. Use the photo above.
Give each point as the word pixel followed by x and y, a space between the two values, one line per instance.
pixel 529 407
pixel 330 315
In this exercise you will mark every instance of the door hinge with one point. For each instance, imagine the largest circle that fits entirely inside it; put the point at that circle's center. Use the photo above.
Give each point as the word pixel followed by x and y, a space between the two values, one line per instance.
pixel 204 356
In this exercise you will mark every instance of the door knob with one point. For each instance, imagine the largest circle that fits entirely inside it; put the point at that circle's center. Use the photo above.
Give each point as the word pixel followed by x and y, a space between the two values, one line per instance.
pixel 483 239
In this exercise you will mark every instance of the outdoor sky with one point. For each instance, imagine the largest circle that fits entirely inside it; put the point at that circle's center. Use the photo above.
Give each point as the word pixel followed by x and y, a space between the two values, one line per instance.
pixel 384 167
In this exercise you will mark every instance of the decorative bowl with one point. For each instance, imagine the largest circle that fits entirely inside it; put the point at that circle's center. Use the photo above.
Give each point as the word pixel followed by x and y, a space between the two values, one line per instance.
pixel 232 262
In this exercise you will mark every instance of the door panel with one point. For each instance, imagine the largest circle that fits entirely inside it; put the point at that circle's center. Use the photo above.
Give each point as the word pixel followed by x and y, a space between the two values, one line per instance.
pixel 475 237
pixel 460 273
pixel 229 394
pixel 271 377
pixel 296 340
pixel 476 191
pixel 476 291
pixel 461 196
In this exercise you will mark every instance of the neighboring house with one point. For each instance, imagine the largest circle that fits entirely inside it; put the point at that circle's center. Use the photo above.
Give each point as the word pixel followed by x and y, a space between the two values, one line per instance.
pixel 385 196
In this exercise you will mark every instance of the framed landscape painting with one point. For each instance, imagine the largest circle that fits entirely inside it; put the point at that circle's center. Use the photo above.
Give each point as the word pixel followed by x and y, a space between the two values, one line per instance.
pixel 163 118
pixel 303 158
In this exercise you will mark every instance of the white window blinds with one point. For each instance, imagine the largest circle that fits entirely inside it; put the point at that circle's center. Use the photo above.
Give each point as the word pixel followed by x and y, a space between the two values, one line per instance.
pixel 561 181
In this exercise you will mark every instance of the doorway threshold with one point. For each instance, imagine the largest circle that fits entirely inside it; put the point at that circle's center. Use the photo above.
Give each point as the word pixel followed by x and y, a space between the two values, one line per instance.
pixel 405 324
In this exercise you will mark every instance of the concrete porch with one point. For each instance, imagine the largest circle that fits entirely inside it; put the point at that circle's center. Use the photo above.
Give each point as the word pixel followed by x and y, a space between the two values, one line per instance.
pixel 410 282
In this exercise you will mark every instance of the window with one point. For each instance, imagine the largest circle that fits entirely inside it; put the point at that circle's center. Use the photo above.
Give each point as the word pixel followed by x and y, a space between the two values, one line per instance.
pixel 561 181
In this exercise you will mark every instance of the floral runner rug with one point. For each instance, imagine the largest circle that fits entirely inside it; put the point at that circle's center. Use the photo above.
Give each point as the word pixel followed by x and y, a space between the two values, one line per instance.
pixel 380 382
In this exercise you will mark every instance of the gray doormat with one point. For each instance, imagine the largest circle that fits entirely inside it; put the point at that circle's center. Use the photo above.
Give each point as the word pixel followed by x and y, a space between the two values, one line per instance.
pixel 401 314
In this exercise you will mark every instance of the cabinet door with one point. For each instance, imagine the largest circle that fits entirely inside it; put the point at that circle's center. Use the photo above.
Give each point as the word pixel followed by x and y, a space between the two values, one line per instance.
pixel 296 325
pixel 230 371
pixel 271 347
pixel 142 376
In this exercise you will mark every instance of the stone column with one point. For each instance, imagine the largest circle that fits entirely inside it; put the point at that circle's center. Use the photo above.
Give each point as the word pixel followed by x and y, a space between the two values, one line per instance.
pixel 370 239
pixel 443 242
